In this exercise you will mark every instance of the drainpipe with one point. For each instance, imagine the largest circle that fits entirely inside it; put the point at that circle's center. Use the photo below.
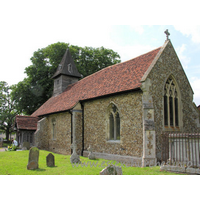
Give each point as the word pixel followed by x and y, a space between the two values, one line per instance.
pixel 71 128
pixel 82 107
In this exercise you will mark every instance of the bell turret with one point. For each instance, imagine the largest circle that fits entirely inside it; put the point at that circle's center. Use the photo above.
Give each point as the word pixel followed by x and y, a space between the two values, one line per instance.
pixel 66 74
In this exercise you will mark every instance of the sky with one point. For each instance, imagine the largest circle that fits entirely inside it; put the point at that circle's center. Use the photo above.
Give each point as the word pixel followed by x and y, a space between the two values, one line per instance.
pixel 26 26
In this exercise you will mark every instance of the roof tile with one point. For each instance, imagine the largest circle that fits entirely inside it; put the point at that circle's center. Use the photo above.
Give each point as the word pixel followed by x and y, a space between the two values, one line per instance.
pixel 26 122
pixel 113 79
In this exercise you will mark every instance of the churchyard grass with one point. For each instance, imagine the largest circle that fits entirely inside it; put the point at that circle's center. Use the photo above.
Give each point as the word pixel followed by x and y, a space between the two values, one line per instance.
pixel 15 163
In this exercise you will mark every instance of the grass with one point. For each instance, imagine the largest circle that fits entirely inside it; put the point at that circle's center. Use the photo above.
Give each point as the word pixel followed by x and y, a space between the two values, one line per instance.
pixel 15 163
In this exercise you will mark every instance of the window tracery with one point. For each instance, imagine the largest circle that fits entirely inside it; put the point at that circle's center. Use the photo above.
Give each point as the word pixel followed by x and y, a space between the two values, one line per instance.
pixel 171 104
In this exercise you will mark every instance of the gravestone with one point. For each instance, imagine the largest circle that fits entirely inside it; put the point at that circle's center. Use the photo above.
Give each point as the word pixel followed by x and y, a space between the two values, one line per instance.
pixel 33 158
pixel 26 146
pixel 111 170
pixel 50 160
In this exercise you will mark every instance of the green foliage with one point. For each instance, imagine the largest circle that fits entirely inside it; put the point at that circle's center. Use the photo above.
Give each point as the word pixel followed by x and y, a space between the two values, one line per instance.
pixel 15 163
pixel 12 148
pixel 8 109
pixel 37 88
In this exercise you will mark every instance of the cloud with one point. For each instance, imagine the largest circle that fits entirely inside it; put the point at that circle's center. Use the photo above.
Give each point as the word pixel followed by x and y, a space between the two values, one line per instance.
pixel 192 30
pixel 195 83
pixel 129 52
pixel 185 60
pixel 138 28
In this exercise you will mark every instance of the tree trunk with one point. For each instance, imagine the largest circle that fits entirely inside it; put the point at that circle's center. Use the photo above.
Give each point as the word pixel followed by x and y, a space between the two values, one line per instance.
pixel 7 134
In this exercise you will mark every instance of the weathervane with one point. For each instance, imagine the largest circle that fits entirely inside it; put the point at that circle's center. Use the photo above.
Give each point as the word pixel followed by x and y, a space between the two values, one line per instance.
pixel 167 34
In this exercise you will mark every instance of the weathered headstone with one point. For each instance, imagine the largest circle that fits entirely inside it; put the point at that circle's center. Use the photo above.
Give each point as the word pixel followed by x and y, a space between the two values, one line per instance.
pixel 33 158
pixel 50 160
pixel 26 146
pixel 111 170
pixel 91 155
pixel 32 165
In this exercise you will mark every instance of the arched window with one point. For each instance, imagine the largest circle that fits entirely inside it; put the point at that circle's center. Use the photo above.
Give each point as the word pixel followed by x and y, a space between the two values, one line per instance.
pixel 171 104
pixel 114 123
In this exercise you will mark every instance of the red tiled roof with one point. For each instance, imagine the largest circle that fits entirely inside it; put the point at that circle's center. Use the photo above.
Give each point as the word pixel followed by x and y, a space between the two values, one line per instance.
pixel 116 78
pixel 26 122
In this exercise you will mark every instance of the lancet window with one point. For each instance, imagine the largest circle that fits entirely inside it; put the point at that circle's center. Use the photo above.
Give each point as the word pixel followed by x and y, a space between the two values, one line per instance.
pixel 114 123
pixel 171 104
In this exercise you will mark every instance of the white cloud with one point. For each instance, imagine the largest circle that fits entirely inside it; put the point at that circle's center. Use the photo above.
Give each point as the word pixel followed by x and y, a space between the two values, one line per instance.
pixel 185 60
pixel 138 28
pixel 128 52
pixel 191 30
pixel 195 83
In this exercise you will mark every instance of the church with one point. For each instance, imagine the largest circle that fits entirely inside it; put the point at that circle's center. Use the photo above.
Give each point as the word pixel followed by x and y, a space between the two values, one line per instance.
pixel 121 111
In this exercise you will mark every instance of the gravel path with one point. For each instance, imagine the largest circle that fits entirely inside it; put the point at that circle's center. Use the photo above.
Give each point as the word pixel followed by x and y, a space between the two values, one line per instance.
pixel 2 149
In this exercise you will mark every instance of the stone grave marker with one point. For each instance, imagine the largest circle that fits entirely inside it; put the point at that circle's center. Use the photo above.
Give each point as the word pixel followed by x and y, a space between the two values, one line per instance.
pixel 111 170
pixel 33 158
pixel 50 160
pixel 26 146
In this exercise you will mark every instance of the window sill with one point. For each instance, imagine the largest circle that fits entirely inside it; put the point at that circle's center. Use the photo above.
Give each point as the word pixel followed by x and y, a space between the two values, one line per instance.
pixel 114 141
pixel 173 129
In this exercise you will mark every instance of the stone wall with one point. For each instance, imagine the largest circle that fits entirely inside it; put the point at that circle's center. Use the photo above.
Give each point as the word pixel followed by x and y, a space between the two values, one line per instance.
pixel 54 132
pixel 169 65
pixel 41 134
pixel 96 125
pixel 78 130
pixel 60 137
pixel 57 137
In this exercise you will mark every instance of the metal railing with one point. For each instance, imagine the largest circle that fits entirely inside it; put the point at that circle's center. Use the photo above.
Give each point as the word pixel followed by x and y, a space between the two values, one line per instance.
pixel 181 148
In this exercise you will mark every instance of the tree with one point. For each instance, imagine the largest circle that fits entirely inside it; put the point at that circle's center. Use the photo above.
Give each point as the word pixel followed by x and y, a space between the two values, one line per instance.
pixel 37 88
pixel 7 109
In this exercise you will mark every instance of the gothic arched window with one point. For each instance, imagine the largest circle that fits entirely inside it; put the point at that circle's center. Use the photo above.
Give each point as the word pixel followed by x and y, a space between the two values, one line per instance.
pixel 171 104
pixel 114 123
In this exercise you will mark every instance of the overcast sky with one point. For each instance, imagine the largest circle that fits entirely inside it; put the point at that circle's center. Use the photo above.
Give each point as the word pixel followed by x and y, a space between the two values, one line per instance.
pixel 27 26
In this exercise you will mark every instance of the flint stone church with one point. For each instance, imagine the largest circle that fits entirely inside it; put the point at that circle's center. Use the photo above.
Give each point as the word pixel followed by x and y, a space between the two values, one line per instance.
pixel 120 111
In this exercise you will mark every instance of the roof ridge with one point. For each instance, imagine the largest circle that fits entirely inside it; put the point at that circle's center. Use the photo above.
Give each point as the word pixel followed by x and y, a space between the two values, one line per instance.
pixel 116 78
pixel 140 55
pixel 115 65
pixel 25 116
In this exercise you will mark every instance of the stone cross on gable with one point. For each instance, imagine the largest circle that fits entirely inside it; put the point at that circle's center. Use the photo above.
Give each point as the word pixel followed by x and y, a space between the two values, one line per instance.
pixel 167 34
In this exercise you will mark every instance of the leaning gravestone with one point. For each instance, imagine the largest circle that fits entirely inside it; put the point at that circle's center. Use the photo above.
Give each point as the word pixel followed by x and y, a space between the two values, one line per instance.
pixel 26 146
pixel 111 170
pixel 50 160
pixel 33 158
